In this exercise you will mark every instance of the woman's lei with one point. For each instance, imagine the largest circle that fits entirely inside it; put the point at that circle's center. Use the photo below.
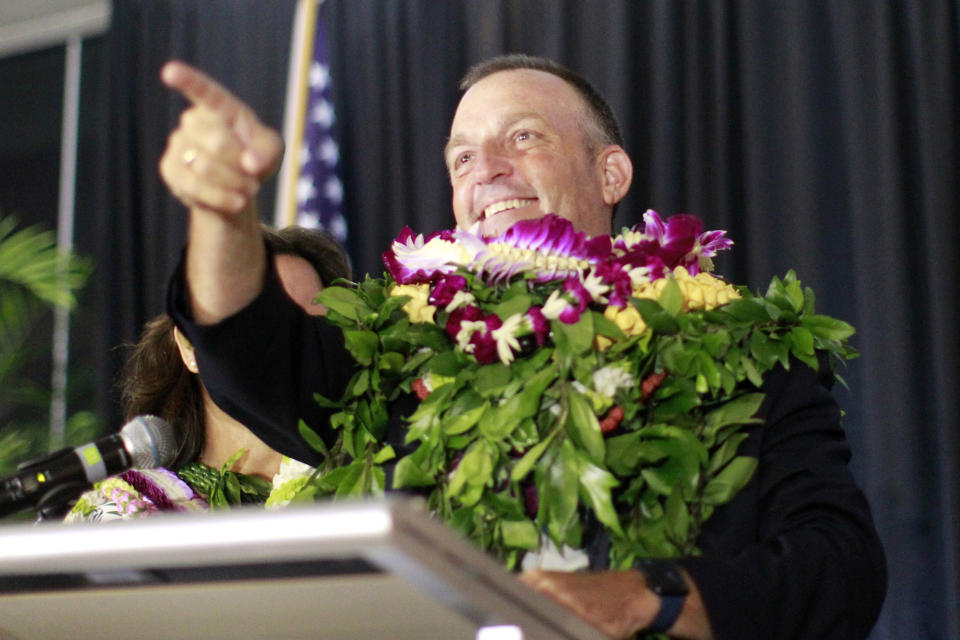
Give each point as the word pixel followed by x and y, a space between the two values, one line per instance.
pixel 563 378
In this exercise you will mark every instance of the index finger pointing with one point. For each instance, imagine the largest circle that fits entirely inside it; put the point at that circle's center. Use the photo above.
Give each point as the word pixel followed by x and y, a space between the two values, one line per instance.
pixel 202 90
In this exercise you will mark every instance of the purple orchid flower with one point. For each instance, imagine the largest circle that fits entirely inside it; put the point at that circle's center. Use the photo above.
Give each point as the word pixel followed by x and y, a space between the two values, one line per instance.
pixel 549 247
pixel 682 242
pixel 569 303
pixel 416 260
pixel 574 287
pixel 615 275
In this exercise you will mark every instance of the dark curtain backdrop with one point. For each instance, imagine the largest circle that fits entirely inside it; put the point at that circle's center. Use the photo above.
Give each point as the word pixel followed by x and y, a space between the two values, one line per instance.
pixel 823 135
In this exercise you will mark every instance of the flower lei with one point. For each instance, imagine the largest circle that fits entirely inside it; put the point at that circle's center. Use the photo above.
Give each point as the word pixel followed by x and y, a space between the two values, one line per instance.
pixel 561 375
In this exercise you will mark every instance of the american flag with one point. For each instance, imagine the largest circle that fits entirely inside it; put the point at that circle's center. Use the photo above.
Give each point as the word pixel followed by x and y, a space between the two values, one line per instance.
pixel 319 192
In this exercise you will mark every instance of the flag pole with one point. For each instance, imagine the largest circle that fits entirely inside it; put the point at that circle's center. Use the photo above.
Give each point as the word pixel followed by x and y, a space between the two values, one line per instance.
pixel 301 53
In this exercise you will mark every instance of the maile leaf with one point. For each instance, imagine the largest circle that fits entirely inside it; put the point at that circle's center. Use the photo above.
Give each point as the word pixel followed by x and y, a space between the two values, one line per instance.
pixel 655 316
pixel 344 301
pixel 520 533
pixel 582 424
pixel 828 328
pixel 671 298
pixel 530 458
pixel 725 485
pixel 315 441
pixel 415 469
pixel 361 344
pixel 596 484
pixel 475 469
pixel 740 410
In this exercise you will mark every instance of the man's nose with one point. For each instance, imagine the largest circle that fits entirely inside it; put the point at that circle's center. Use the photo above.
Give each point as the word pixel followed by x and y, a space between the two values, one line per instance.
pixel 491 163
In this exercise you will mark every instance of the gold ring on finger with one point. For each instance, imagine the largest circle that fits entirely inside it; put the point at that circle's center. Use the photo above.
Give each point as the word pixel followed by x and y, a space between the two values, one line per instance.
pixel 189 156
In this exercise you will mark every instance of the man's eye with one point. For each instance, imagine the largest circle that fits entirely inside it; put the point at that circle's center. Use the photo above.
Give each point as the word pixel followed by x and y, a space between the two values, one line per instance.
pixel 522 136
pixel 463 159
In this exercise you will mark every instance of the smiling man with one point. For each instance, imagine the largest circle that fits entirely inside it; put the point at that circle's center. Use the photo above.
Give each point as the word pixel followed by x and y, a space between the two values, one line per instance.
pixel 526 142
pixel 795 555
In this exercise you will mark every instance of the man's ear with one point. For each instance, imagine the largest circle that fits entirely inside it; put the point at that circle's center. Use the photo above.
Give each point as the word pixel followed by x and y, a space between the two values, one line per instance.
pixel 186 351
pixel 617 171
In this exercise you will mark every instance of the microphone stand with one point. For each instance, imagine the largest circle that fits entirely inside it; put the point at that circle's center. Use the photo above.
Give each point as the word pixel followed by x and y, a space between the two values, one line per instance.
pixel 54 505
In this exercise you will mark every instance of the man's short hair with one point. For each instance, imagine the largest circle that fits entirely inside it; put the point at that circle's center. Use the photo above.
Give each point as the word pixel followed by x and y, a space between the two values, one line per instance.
pixel 601 124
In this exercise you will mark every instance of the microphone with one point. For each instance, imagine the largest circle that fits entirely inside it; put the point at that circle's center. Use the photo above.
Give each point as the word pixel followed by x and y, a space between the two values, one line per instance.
pixel 144 442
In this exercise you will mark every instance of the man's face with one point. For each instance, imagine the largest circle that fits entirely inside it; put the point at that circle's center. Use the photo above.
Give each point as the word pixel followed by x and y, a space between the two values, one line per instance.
pixel 517 151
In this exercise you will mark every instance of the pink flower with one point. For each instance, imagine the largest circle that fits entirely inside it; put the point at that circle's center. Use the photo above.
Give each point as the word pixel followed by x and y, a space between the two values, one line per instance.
pixel 484 344
pixel 460 315
pixel 473 332
pixel 445 289
pixel 538 325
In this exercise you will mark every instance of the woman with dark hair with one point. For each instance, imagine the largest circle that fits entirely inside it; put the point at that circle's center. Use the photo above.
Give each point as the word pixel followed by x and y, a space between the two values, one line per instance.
pixel 219 461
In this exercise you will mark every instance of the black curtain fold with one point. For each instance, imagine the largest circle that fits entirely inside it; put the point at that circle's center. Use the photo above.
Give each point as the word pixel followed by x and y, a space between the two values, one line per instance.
pixel 140 227
pixel 823 135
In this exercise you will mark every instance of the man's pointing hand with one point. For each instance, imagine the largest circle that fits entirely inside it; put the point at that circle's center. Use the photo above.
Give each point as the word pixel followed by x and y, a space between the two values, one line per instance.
pixel 220 153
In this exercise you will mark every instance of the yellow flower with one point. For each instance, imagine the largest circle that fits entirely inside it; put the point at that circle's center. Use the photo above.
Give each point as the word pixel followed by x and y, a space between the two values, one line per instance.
pixel 649 290
pixel 601 343
pixel 628 319
pixel 417 308
pixel 703 291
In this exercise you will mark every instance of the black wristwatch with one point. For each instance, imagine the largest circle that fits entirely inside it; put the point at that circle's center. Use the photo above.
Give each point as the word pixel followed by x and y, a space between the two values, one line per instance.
pixel 665 579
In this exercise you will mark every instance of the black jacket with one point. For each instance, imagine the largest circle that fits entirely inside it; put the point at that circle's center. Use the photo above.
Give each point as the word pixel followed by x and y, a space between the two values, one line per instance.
pixel 794 555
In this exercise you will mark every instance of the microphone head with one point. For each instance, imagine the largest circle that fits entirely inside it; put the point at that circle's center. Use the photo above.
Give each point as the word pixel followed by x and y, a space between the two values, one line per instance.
pixel 150 442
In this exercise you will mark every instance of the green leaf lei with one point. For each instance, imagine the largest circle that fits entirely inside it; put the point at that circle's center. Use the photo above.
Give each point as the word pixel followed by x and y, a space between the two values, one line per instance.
pixel 531 442
pixel 224 488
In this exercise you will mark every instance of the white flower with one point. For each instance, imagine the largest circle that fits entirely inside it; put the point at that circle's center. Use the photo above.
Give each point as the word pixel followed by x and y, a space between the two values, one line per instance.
pixel 506 337
pixel 287 482
pixel 596 287
pixel 554 306
pixel 639 276
pixel 550 558
pixel 610 378
pixel 467 329
pixel 554 407
pixel 460 299
pixel 580 387
pixel 290 469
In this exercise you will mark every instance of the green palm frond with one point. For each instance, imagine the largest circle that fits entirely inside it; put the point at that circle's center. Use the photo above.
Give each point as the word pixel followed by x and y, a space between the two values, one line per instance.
pixel 29 258
pixel 19 310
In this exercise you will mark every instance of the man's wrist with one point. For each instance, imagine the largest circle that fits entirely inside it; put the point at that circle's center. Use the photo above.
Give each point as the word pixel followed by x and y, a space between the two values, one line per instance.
pixel 665 579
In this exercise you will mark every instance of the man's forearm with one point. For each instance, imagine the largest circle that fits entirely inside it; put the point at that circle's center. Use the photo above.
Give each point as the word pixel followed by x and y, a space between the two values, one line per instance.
pixel 619 603
pixel 226 263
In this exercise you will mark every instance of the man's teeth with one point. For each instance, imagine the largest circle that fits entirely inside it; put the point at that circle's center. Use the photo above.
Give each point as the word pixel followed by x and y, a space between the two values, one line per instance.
pixel 503 205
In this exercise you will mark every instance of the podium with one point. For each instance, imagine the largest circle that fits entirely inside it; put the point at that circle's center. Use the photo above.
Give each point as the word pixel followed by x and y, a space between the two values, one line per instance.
pixel 343 570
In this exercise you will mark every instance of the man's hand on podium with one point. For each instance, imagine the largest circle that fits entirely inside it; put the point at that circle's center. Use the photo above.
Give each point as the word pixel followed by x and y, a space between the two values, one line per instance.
pixel 618 602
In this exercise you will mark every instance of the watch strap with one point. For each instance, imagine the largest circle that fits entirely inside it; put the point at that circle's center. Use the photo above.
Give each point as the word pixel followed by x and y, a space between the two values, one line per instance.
pixel 670 607
pixel 665 579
